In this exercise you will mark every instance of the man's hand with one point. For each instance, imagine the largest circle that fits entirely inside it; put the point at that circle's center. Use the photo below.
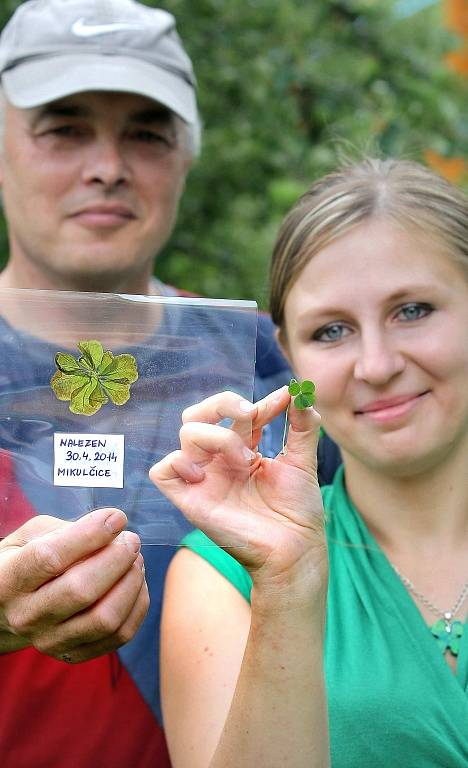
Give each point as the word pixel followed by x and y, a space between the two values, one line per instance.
pixel 73 590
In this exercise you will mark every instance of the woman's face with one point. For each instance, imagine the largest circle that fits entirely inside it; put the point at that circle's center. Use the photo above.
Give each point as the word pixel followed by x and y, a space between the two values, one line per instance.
pixel 379 320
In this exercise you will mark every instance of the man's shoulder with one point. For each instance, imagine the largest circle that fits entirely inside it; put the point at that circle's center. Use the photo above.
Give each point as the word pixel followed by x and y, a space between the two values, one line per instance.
pixel 270 363
pixel 24 358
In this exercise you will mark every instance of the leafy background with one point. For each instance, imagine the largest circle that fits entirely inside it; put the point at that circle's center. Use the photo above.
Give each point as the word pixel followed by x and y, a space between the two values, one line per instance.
pixel 286 88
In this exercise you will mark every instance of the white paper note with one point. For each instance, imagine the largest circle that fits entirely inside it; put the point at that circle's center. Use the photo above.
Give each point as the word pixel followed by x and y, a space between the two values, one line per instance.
pixel 90 460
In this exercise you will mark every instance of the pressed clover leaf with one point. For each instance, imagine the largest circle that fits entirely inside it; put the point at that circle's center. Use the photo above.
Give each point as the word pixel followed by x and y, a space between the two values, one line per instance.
pixel 95 378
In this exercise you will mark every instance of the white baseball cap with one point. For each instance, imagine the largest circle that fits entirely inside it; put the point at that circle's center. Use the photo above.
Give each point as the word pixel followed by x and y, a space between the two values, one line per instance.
pixel 50 49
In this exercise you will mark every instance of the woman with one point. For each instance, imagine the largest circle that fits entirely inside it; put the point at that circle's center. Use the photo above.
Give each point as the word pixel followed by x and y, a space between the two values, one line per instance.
pixel 370 295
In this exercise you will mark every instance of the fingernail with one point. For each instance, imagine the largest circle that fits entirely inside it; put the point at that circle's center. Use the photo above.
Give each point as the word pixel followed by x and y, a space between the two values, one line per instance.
pixel 246 407
pixel 198 471
pixel 132 541
pixel 116 521
pixel 248 454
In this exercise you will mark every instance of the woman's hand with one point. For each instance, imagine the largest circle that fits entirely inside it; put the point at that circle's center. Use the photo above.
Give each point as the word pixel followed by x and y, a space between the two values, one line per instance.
pixel 267 511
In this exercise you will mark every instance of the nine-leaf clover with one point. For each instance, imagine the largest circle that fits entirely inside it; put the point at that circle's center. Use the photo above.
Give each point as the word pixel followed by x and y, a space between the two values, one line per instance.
pixel 95 378
pixel 303 394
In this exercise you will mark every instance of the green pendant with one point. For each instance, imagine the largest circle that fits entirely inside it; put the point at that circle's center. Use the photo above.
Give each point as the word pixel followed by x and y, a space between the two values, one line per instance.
pixel 448 634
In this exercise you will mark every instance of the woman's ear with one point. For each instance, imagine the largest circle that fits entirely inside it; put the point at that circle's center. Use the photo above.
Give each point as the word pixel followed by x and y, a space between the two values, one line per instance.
pixel 282 343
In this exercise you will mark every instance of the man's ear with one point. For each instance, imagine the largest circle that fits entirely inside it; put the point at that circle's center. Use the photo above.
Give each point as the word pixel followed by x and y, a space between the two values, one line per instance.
pixel 282 343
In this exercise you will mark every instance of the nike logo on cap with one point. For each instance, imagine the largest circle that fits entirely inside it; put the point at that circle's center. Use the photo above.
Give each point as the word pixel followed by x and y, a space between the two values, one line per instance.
pixel 81 29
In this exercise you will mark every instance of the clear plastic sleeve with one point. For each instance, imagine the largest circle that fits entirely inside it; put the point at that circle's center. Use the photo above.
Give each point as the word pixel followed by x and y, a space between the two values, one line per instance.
pixel 92 387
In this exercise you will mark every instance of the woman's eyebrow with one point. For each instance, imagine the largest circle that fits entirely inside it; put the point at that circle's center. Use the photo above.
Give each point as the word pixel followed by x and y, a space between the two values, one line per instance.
pixel 319 313
pixel 409 290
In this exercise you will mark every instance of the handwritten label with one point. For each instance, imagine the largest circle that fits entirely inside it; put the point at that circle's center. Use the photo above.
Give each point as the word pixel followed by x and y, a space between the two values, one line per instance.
pixel 93 461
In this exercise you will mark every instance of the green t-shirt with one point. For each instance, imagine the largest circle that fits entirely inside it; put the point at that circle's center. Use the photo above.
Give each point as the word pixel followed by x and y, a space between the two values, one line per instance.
pixel 392 698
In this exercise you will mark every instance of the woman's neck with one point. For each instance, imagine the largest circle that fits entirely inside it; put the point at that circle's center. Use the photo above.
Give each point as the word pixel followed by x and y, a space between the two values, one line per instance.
pixel 425 513
pixel 421 524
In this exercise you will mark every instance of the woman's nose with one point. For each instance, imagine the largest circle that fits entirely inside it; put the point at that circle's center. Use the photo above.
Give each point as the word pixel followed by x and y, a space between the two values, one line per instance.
pixel 378 360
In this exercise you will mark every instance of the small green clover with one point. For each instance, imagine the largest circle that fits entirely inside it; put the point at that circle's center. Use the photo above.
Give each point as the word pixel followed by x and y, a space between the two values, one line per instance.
pixel 303 393
pixel 94 379
pixel 304 397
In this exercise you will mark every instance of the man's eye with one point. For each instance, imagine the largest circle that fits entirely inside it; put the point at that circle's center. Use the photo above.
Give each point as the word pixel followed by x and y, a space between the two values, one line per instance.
pixel 151 137
pixel 414 311
pixel 330 333
pixel 64 130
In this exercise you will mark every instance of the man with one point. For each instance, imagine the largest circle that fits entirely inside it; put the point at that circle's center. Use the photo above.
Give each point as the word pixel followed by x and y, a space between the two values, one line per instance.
pixel 100 127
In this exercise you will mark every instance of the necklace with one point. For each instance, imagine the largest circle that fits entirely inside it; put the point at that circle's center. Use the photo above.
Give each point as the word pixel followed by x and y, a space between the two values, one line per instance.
pixel 447 630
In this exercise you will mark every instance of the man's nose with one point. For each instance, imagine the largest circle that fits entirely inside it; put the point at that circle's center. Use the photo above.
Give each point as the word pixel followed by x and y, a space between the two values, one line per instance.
pixel 379 360
pixel 105 162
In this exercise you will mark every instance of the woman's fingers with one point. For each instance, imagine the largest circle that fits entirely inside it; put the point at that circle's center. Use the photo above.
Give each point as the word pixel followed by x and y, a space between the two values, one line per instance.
pixel 229 405
pixel 248 419
pixel 200 442
pixel 176 466
pixel 303 433
pixel 226 407
pixel 223 405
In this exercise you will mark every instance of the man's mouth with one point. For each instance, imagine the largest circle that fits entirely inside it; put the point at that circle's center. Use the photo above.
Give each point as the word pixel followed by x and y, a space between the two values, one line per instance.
pixel 104 215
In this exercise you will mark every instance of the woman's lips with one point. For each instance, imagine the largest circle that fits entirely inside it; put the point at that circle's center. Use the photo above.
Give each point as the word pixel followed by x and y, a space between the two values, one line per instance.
pixel 388 410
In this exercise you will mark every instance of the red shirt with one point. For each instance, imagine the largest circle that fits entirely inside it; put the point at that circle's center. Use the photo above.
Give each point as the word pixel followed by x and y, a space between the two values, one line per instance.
pixel 56 715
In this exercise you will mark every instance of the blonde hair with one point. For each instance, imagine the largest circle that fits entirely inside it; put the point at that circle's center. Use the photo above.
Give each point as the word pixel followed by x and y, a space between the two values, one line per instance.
pixel 402 191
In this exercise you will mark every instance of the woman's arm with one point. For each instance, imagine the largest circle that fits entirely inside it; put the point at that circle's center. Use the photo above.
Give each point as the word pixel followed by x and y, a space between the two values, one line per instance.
pixel 241 687
pixel 203 635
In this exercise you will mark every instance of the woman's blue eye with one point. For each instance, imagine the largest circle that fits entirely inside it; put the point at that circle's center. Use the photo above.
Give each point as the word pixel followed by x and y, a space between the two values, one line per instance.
pixel 414 311
pixel 333 332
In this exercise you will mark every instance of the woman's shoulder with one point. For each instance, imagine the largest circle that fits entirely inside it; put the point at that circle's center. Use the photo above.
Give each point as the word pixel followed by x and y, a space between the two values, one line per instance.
pixel 221 560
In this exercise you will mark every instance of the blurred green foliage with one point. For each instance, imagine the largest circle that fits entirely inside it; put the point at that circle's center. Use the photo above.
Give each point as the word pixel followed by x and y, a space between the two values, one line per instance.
pixel 286 88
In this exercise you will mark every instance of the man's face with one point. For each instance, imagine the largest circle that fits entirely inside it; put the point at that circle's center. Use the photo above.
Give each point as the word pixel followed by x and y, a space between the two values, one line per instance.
pixel 90 186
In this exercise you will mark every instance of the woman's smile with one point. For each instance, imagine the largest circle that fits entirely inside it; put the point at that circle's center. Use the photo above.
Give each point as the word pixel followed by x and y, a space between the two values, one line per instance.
pixel 392 410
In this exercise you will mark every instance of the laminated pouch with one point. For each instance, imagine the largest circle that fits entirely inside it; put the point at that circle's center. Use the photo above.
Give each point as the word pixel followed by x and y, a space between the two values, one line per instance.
pixel 92 387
